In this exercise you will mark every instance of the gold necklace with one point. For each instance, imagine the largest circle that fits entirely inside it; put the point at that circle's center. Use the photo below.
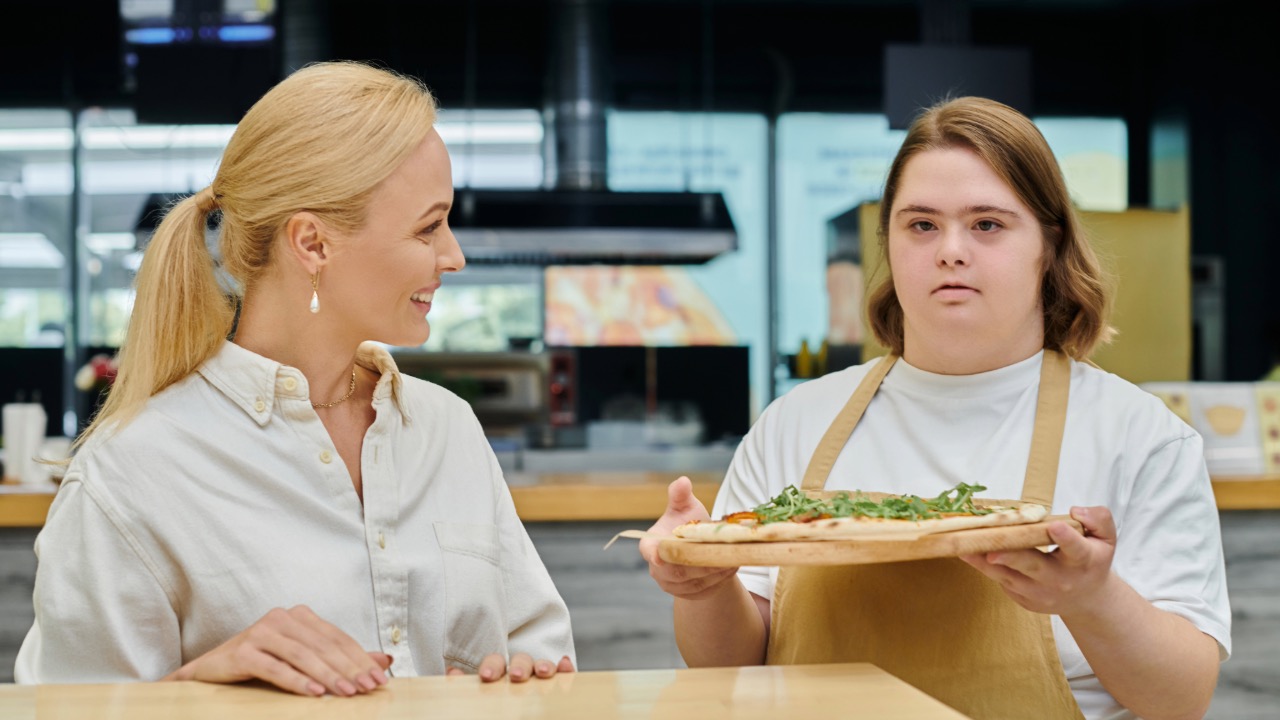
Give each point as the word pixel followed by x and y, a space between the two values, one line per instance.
pixel 342 399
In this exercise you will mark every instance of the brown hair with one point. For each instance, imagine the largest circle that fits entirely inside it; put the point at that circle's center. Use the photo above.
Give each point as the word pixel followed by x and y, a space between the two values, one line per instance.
pixel 1073 289
pixel 321 140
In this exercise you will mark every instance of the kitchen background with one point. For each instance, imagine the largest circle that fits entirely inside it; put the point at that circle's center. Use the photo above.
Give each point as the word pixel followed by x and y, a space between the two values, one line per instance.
pixel 663 206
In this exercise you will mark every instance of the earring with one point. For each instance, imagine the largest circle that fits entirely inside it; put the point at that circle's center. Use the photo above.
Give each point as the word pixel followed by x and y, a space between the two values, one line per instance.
pixel 315 295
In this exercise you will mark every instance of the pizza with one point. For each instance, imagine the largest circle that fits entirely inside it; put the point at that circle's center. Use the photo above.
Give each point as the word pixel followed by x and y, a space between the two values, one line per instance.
pixel 796 515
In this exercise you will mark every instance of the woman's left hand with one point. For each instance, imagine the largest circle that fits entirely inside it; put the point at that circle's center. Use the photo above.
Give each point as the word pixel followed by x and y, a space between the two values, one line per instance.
pixel 522 667
pixel 1073 577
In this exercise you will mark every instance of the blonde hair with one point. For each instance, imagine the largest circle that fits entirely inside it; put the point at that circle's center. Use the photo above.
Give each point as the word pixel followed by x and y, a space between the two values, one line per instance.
pixel 319 141
pixel 1074 290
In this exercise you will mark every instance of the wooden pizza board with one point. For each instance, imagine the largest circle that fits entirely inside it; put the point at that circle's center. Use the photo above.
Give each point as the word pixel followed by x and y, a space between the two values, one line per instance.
pixel 860 551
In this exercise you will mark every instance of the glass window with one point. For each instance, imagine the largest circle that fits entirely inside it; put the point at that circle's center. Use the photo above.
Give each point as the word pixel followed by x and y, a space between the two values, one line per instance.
pixel 35 227
pixel 828 165
pixel 1094 156
pixel 493 148
pixel 127 165
pixel 127 169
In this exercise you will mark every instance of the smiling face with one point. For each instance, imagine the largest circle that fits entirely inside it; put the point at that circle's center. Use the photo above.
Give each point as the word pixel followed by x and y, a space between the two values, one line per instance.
pixel 381 280
pixel 966 257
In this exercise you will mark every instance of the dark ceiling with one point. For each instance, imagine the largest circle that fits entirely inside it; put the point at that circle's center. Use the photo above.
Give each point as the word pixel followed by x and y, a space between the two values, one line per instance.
pixel 1088 56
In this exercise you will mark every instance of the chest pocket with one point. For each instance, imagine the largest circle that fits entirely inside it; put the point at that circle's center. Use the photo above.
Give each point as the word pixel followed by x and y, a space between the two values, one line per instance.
pixel 474 596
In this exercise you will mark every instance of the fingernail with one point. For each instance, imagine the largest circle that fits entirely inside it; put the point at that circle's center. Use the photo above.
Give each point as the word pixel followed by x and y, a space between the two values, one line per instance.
pixel 367 682
pixel 544 668
pixel 486 673
pixel 315 688
pixel 1082 513
pixel 517 674
pixel 346 688
pixel 380 676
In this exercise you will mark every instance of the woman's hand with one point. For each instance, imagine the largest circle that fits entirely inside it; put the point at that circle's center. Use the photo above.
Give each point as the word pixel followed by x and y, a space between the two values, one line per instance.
pixel 689 583
pixel 294 650
pixel 1075 576
pixel 522 667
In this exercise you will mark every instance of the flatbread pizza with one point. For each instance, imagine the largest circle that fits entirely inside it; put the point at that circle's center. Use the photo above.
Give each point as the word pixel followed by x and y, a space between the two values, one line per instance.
pixel 796 515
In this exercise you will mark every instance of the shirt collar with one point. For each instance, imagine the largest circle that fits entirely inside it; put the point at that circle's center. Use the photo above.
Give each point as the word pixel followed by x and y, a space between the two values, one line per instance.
pixel 252 381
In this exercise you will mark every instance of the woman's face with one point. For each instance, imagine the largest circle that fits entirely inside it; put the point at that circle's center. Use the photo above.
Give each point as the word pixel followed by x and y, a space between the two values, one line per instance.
pixel 965 254
pixel 384 276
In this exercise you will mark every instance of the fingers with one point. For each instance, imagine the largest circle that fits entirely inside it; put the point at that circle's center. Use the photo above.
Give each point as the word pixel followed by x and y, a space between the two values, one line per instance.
pixel 327 654
pixel 521 667
pixel 1097 522
pixel 281 674
pixel 682 507
pixel 384 660
pixel 649 551
pixel 546 669
pixel 493 667
pixel 690 583
pixel 1028 562
pixel 1073 548
pixel 296 651
pixel 680 499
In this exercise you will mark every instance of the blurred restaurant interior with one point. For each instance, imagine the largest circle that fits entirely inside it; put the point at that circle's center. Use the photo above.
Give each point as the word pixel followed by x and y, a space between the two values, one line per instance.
pixel 668 212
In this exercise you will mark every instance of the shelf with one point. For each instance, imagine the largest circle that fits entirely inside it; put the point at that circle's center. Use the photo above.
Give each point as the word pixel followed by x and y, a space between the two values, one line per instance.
pixel 1260 493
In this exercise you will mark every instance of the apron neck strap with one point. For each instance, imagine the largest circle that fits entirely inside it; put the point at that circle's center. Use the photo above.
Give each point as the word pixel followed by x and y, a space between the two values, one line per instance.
pixel 1046 437
pixel 833 442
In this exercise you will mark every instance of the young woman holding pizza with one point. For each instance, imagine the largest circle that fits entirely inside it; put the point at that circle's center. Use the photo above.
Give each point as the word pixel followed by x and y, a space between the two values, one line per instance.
pixel 994 300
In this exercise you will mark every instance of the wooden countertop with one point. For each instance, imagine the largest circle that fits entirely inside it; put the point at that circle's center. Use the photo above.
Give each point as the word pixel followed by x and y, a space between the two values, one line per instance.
pixel 768 693
pixel 638 496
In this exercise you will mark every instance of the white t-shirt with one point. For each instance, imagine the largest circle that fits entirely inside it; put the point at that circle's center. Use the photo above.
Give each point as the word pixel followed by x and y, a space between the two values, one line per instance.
pixel 225 498
pixel 923 433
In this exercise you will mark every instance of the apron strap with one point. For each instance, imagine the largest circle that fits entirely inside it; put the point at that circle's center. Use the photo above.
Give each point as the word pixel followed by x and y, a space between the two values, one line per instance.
pixel 1046 438
pixel 837 435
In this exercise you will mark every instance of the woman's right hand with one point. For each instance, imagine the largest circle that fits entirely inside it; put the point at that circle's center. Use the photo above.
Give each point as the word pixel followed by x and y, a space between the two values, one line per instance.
pixel 682 581
pixel 294 650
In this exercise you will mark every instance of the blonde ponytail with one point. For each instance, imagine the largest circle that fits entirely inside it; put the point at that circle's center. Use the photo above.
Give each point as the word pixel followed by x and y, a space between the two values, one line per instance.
pixel 320 141
pixel 180 316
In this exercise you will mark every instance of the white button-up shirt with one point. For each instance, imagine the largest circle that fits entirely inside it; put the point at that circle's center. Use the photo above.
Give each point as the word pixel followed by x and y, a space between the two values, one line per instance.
pixel 222 500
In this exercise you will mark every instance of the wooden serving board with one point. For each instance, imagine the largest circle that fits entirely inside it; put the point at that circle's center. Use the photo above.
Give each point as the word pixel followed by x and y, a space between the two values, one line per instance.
pixel 860 551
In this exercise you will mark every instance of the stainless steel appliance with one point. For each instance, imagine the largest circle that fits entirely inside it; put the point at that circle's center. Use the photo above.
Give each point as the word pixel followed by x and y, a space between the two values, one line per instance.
pixel 507 390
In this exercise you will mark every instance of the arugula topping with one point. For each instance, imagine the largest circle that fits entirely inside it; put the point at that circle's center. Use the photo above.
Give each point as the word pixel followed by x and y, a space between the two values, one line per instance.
pixel 795 506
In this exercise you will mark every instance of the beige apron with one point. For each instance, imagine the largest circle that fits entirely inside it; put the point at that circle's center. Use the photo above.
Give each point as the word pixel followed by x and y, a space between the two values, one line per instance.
pixel 938 624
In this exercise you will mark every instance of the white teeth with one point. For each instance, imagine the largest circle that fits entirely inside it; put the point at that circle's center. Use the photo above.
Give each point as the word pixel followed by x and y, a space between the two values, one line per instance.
pixel 420 297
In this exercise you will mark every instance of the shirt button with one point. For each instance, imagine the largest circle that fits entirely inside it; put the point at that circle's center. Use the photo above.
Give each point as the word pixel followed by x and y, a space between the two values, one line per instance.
pixel 382 541
pixel 395 635
pixel 259 405
pixel 290 384
pixel 325 457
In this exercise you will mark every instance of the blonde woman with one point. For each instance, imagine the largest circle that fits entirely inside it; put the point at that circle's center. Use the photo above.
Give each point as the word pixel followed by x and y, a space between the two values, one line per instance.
pixel 286 506
pixel 994 299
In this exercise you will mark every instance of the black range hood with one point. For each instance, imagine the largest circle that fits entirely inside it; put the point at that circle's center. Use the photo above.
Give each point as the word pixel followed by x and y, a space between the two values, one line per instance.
pixel 580 220
pixel 569 227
